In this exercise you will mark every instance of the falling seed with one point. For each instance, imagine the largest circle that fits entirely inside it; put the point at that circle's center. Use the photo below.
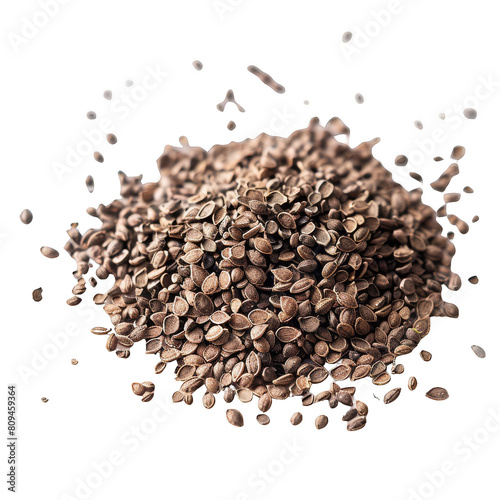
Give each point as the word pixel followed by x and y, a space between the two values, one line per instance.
pixel 37 294
pixel 442 116
pixel 438 158
pixel 49 252
pixel 229 98
pixel 263 419
pixel 359 98
pixel 129 83
pixel 401 160
pixel 468 190
pixel 266 79
pixel 470 113
pixel 296 418
pixel 412 383
pixel 198 65
pixel 441 211
pixel 479 351
pixel 45 400
pixel 306 102
pixel 73 301
pixel 475 218
pixel 346 37
pixel 426 355
pixel 89 182
pixel 474 280
pixel 231 125
pixel 438 394
pixel 234 417
pixel 111 138
pixel 74 361
pixel 321 422
pixel 26 216
pixel 416 176
pixel 108 95
pixel 98 157
pixel 418 124
pixel 450 235
pixel 392 395
pixel 183 140
pixel 452 197
pixel 458 153
pixel 93 282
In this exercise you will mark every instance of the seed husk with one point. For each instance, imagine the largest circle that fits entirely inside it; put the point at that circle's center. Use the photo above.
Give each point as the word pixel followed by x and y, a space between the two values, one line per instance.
pixel 37 294
pixel 426 355
pixel 234 417
pixel 45 400
pixel 26 216
pixel 438 394
pixel 479 351
pixel 74 361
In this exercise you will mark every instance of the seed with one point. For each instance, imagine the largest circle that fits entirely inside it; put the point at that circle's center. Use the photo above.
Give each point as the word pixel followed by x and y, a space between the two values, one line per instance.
pixel 108 95
pixel 356 424
pixel 346 37
pixel 37 294
pixel 438 394
pixel 197 65
pixel 231 125
pixel 359 98
pixel 45 400
pixel 321 422
pixel 401 160
pixel 147 396
pixel 362 408
pixel 50 253
pixel 91 115
pixel 458 153
pixel 89 182
pixel 392 395
pixel 426 355
pixel 73 301
pixel 98 157
pixel 74 361
pixel 138 389
pixel 263 419
pixel 470 113
pixel 412 383
pixel 26 216
pixel 418 124
pixel 234 417
pixel 479 351
pixel 296 418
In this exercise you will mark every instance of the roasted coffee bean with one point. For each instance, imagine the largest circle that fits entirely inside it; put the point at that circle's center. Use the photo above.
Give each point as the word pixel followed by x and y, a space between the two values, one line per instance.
pixel 392 395
pixel 234 417
pixel 296 418
pixel 26 216
pixel 438 394
pixel 321 422
pixel 426 355
pixel 412 383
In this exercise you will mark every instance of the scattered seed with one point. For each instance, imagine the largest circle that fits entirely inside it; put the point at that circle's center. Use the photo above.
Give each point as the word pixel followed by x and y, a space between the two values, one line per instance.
pixel 89 182
pixel 49 252
pixel 392 395
pixel 263 419
pixel 26 216
pixel 296 418
pixel 401 160
pixel 346 37
pixel 37 294
pixel 438 394
pixel 45 400
pixel 108 95
pixel 321 422
pixel 418 124
pixel 111 138
pixel 198 65
pixel 359 98
pixel 426 355
pixel 470 113
pixel 234 417
pixel 412 383
pixel 74 361
pixel 98 157
pixel 479 351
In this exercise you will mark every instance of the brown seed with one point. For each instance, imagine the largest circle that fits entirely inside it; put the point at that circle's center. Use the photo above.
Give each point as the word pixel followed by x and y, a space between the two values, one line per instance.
pixel 234 417
pixel 263 419
pixel 321 422
pixel 470 113
pixel 401 160
pixel 147 396
pixel 37 294
pixel 479 351
pixel 45 400
pixel 98 157
pixel 50 253
pixel 392 395
pixel 73 301
pixel 197 65
pixel 359 98
pixel 138 389
pixel 231 125
pixel 74 361
pixel 356 424
pixel 296 418
pixel 362 408
pixel 426 355
pixel 111 138
pixel 89 182
pixel 438 394
pixel 346 37
pixel 26 216
pixel 412 383
pixel 458 153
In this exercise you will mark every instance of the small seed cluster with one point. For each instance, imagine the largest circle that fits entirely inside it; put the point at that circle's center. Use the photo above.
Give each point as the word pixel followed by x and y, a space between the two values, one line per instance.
pixel 146 390
pixel 264 267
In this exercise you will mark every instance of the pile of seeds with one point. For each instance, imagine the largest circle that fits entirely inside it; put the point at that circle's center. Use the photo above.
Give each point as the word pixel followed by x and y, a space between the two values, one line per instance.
pixel 263 267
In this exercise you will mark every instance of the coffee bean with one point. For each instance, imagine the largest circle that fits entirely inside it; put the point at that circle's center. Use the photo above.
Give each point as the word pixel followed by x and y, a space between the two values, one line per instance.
pixel 438 394
pixel 26 216
pixel 425 355
pixel 263 419
pixel 412 383
pixel 234 417
pixel 296 418
pixel 138 389
pixel 479 351
pixel 470 113
pixel 37 294
pixel 356 424
pixel 50 253
pixel 468 190
pixel 321 422
pixel 392 395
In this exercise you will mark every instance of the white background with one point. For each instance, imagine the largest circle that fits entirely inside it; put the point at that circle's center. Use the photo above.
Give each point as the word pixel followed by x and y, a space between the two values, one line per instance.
pixel 420 59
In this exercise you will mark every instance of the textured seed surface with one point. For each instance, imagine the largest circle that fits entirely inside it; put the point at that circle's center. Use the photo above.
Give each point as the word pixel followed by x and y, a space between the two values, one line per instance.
pixel 438 394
